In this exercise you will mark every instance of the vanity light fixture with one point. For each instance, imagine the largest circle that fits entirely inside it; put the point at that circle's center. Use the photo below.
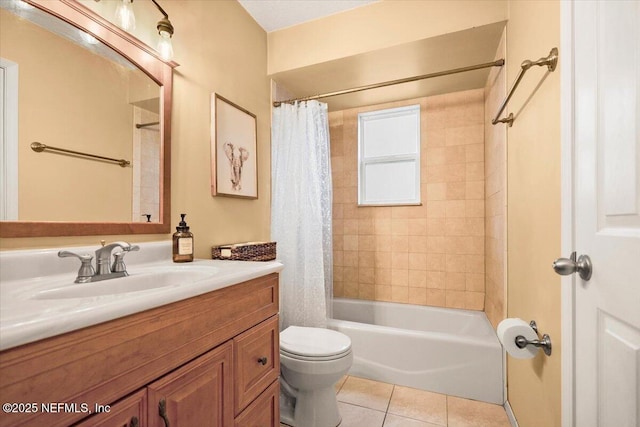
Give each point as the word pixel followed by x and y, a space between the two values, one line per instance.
pixel 165 32
pixel 126 20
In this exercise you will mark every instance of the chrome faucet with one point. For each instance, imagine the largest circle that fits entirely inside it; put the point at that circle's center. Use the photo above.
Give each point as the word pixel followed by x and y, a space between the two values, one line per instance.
pixel 104 268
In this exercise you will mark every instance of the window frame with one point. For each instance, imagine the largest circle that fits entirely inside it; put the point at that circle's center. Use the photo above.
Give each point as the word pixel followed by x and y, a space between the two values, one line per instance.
pixel 407 110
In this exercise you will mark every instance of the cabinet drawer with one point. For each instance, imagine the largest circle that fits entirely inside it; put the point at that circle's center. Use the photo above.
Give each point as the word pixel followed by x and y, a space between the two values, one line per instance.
pixel 256 358
pixel 129 412
pixel 264 411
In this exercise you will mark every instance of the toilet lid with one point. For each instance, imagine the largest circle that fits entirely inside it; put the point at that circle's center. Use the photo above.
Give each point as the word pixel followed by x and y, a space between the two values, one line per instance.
pixel 313 342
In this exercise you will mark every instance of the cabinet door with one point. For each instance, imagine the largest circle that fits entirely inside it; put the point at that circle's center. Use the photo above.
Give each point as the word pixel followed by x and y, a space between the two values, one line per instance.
pixel 129 412
pixel 197 394
pixel 264 411
pixel 256 358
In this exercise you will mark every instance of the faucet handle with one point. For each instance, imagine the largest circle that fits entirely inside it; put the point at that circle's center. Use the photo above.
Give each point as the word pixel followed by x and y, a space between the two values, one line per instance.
pixel 86 270
pixel 118 263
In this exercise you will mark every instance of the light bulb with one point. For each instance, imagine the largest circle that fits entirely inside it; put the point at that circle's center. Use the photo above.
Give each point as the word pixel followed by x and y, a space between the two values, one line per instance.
pixel 165 47
pixel 125 17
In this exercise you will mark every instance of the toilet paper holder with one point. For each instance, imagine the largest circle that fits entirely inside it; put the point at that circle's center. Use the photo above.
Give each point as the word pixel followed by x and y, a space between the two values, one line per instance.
pixel 545 342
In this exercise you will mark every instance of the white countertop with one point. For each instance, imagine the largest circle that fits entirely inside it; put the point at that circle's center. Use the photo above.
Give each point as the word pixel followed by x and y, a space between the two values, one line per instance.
pixel 25 319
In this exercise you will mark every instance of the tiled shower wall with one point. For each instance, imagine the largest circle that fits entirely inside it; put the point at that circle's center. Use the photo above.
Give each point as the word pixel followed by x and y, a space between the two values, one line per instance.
pixel 496 195
pixel 431 254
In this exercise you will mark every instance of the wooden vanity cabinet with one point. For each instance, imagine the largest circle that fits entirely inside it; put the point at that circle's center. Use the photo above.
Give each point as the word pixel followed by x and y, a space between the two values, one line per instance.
pixel 211 360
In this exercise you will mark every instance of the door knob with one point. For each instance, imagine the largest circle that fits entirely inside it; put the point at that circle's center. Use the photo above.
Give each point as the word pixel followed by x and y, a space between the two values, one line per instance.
pixel 566 266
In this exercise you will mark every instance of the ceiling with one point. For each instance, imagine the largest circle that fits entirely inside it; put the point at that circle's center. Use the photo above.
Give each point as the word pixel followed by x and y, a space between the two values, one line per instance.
pixel 274 15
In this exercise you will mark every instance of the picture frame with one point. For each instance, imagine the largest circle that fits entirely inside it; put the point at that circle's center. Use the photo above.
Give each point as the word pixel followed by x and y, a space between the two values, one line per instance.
pixel 234 163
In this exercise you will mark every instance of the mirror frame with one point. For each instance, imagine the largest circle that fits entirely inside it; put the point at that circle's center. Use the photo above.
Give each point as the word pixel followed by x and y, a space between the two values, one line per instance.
pixel 159 70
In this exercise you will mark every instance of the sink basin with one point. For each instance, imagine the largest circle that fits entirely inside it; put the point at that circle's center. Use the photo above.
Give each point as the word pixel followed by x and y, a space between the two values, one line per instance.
pixel 148 280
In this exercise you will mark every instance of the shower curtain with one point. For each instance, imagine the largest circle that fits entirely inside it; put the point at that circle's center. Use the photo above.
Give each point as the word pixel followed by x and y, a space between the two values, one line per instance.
pixel 301 199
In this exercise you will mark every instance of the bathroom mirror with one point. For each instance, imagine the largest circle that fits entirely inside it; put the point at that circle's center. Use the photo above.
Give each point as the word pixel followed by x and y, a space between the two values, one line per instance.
pixel 90 89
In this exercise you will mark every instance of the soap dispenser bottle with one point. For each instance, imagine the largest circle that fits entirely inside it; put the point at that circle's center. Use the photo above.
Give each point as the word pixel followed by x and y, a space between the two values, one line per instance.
pixel 182 242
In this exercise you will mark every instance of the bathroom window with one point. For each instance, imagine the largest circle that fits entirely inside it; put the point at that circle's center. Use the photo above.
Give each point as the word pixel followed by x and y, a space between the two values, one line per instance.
pixel 389 157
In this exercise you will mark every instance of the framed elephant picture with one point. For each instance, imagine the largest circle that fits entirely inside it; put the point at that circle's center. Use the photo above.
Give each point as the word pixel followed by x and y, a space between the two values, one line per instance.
pixel 233 150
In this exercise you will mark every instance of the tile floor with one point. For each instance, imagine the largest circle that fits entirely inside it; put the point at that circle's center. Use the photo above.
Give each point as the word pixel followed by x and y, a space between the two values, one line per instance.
pixel 367 403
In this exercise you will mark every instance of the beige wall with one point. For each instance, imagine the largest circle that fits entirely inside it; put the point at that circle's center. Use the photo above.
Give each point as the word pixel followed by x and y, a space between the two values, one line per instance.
pixel 495 170
pixel 220 49
pixel 57 105
pixel 376 26
pixel 534 208
pixel 431 254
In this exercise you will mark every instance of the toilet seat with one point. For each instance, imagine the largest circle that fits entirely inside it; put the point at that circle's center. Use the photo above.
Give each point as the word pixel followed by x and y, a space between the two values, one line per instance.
pixel 314 358
pixel 304 343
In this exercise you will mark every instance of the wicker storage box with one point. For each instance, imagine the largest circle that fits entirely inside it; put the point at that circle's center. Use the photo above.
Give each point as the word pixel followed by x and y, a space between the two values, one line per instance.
pixel 245 252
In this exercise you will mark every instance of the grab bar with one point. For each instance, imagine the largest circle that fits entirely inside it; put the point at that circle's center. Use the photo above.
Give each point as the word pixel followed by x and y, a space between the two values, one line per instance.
pixel 551 61
pixel 38 147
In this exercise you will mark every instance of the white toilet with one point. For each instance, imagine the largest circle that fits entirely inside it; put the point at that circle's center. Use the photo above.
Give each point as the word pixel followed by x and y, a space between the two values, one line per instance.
pixel 312 360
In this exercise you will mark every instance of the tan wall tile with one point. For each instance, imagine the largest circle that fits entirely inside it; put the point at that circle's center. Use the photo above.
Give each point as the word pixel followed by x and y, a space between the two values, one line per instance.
pixel 417 279
pixel 474 153
pixel 382 259
pixel 350 226
pixel 456 191
pixel 474 171
pixel 382 226
pixel 382 276
pixel 455 263
pixel 474 282
pixel 366 226
pixel 418 244
pixel 400 243
pixel 436 262
pixel 435 280
pixel 474 300
pixel 417 296
pixel 350 290
pixel 399 277
pixel 399 227
pixel 436 191
pixel 366 259
pixel 436 209
pixel 455 154
pixel 400 293
pixel 399 260
pixel 417 226
pixel 455 281
pixel 367 243
pixel 383 293
pixel 436 244
pixel 350 258
pixel 418 261
pixel 436 297
pixel 365 275
pixel 455 299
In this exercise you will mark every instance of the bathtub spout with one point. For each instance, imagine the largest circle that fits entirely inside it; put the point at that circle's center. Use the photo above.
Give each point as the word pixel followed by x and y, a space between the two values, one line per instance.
pixel 287 388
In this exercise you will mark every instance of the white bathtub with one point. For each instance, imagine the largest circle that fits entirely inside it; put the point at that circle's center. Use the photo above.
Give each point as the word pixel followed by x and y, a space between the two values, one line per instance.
pixel 447 351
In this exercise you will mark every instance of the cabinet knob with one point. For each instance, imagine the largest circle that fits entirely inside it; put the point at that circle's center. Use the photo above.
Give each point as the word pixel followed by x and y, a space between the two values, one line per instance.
pixel 262 360
pixel 134 422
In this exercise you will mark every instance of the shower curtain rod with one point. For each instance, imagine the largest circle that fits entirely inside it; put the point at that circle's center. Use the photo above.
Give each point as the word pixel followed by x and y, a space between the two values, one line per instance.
pixel 498 63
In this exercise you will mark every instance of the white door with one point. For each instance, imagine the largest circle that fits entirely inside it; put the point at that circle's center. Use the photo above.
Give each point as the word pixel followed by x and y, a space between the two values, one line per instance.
pixel 606 185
